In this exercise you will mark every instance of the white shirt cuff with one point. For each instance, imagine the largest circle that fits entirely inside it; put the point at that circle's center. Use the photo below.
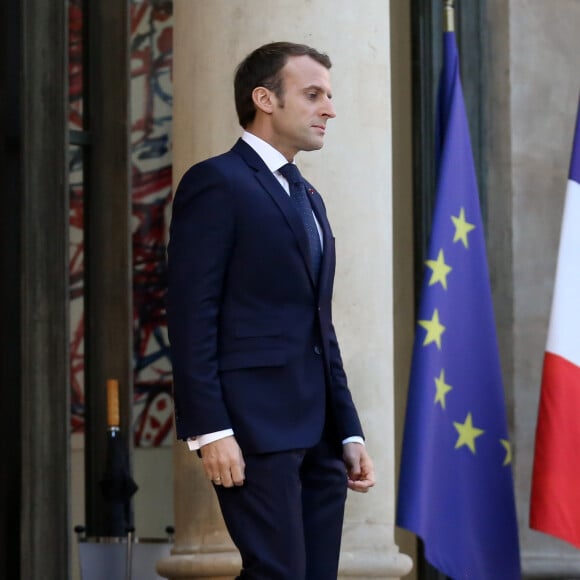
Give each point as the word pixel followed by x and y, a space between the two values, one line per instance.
pixel 353 439
pixel 196 443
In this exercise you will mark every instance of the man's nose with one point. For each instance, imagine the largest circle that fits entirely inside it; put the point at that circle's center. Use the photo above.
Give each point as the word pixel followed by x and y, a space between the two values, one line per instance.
pixel 329 110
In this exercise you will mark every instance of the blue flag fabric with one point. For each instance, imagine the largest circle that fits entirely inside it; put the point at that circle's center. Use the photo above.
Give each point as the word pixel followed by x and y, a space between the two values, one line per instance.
pixel 456 486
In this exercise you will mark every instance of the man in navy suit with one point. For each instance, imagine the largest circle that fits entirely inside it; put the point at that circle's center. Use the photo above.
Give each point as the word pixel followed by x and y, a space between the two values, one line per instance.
pixel 259 385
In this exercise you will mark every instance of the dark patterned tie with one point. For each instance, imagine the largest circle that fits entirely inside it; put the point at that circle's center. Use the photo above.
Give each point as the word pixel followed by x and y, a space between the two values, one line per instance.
pixel 299 196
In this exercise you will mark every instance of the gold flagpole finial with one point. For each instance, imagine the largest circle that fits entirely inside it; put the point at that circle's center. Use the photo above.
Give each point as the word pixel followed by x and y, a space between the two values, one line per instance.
pixel 448 15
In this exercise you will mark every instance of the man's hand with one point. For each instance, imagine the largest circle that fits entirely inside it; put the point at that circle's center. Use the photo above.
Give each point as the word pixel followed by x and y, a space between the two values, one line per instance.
pixel 359 467
pixel 223 462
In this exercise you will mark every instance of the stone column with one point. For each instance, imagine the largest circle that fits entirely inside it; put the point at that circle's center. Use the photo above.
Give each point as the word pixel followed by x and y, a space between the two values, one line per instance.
pixel 353 172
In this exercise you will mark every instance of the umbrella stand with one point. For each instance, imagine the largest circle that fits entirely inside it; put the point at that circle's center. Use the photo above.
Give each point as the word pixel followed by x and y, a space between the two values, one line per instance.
pixel 129 564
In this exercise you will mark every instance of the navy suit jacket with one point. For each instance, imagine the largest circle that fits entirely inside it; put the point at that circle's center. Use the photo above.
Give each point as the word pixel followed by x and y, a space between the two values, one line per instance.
pixel 252 340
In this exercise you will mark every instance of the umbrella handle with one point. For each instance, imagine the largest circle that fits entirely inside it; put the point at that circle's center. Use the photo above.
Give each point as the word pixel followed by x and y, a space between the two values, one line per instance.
pixel 113 418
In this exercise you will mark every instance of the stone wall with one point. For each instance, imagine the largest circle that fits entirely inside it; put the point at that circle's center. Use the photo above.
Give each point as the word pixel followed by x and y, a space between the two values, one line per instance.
pixel 534 81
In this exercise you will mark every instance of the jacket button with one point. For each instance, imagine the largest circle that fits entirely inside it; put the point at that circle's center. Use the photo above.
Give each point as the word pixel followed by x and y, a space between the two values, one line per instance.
pixel 317 350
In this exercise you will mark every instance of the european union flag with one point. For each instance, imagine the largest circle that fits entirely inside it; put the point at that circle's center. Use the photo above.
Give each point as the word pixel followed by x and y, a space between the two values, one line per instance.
pixel 456 486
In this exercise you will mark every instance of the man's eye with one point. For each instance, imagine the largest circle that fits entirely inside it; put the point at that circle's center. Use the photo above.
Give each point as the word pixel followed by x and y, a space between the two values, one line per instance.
pixel 312 96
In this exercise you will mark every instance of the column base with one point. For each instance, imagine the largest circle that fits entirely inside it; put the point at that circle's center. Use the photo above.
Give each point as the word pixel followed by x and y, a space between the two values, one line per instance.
pixel 208 565
pixel 226 565
pixel 367 565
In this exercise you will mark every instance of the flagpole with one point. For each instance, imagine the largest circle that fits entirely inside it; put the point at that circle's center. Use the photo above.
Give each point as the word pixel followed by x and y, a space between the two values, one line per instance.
pixel 448 15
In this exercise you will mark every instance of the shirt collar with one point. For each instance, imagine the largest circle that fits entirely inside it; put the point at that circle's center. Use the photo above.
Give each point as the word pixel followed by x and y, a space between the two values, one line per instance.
pixel 269 155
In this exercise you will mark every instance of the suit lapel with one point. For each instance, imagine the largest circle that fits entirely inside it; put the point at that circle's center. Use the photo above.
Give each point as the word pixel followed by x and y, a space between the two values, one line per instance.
pixel 272 186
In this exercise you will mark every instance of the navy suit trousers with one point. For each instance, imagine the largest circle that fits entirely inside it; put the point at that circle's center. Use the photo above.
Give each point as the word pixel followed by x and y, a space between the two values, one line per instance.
pixel 286 520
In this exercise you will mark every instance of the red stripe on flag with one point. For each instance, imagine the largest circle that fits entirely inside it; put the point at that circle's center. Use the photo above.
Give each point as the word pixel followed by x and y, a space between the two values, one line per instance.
pixel 555 504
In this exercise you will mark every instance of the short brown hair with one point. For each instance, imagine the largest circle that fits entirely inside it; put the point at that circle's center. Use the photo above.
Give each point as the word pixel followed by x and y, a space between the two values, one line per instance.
pixel 261 68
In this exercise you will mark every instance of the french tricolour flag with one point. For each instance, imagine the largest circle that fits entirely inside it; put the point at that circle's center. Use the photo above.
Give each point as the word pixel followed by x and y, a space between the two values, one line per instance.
pixel 555 502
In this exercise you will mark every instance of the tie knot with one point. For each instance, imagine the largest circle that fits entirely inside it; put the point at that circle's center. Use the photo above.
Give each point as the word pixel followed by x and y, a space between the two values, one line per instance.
pixel 291 173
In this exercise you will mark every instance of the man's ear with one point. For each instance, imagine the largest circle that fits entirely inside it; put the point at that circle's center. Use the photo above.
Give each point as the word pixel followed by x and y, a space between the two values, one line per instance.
pixel 262 98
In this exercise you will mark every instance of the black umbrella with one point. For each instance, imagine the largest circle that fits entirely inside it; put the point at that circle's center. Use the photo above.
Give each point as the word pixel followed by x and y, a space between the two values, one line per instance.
pixel 117 485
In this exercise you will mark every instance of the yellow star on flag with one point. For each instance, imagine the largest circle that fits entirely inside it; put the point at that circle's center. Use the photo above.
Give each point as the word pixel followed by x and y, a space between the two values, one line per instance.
pixel 462 228
pixel 467 433
pixel 508 451
pixel 439 270
pixel 434 330
pixel 442 389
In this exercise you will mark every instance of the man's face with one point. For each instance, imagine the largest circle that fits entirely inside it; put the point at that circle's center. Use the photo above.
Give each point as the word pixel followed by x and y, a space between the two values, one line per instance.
pixel 298 119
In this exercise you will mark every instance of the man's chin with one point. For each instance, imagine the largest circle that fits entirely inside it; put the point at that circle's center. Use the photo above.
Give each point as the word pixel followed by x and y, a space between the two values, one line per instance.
pixel 313 146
